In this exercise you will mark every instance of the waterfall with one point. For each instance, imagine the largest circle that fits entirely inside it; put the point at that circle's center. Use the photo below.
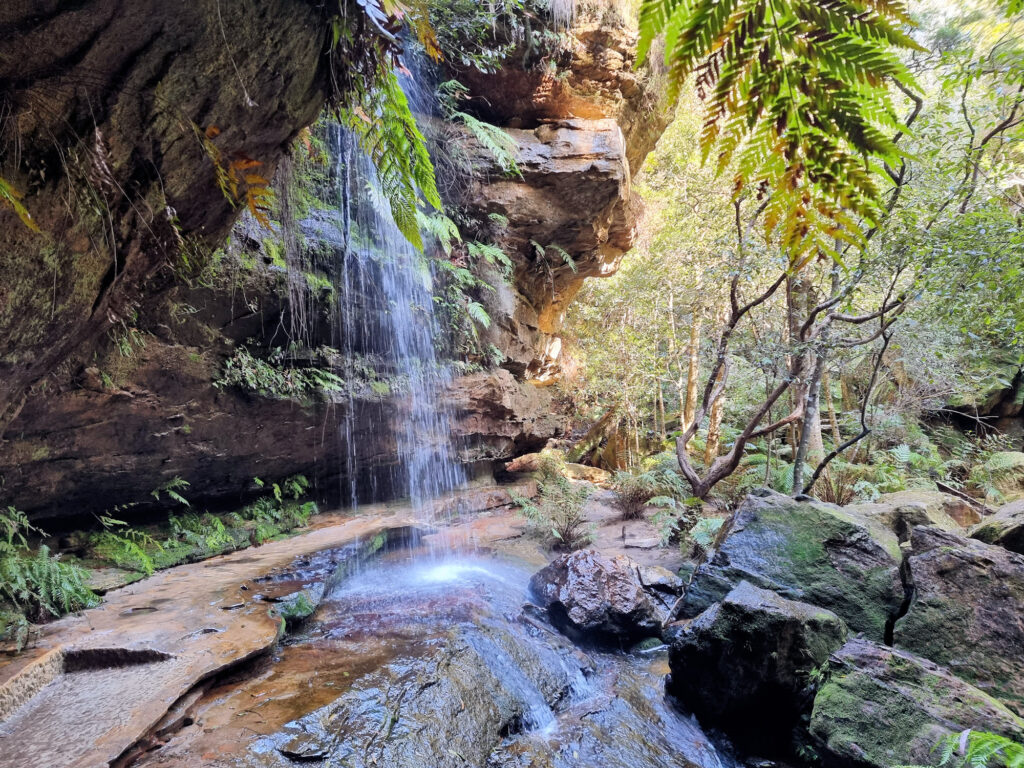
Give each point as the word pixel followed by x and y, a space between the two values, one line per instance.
pixel 386 326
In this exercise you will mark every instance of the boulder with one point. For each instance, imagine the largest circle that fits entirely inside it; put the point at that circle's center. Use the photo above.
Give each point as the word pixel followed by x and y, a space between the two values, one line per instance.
pixel 882 707
pixel 966 611
pixel 902 512
pixel 746 664
pixel 809 551
pixel 590 474
pixel 598 598
pixel 1005 527
pixel 937 505
pixel 530 462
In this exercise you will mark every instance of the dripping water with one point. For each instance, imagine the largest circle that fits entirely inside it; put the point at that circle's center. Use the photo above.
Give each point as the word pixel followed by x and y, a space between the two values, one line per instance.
pixel 387 328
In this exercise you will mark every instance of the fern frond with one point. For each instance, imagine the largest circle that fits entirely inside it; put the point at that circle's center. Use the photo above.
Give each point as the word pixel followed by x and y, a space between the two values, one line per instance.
pixel 10 197
pixel 796 100
pixel 386 129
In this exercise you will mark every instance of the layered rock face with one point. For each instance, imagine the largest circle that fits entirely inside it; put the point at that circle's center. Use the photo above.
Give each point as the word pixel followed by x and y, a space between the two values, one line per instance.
pixel 108 359
pixel 105 108
pixel 583 131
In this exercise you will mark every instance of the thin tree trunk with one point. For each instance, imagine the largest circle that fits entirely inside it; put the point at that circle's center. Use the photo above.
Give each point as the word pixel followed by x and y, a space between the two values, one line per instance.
pixel 714 428
pixel 663 433
pixel 826 384
pixel 810 447
pixel 692 371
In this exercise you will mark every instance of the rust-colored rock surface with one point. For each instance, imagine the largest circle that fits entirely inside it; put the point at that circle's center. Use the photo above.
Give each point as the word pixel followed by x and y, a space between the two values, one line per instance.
pixel 121 413
pixel 583 131
pixel 96 683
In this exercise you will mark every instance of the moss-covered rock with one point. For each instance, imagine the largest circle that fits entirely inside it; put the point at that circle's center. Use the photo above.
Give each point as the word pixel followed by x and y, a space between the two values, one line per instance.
pixel 903 511
pixel 808 551
pixel 881 707
pixel 966 611
pixel 746 664
pixel 1005 527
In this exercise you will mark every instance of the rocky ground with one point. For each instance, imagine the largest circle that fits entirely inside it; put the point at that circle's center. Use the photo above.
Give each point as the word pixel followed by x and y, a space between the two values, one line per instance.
pixel 856 636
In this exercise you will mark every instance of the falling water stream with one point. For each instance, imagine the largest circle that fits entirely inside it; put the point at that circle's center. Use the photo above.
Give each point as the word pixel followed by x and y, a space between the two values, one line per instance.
pixel 430 658
pixel 386 322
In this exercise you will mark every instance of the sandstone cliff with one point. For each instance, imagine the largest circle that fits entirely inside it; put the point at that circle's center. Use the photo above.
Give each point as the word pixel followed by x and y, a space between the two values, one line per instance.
pixel 108 389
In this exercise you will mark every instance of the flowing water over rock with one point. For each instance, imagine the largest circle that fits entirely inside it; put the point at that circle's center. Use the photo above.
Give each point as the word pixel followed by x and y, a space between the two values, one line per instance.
pixel 437 663
pixel 387 327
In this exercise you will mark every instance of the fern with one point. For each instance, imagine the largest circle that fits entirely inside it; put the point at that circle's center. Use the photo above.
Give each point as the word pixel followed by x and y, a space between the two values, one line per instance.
pixel 979 749
pixel 234 172
pixel 796 102
pixel 125 547
pixel 557 515
pixel 170 489
pixel 386 129
pixel 443 229
pixel 491 254
pixel 542 251
pixel 901 453
pixel 706 531
pixel 39 584
pixel 207 533
pixel 14 526
pixel 498 144
pixel 42 585
pixel 478 313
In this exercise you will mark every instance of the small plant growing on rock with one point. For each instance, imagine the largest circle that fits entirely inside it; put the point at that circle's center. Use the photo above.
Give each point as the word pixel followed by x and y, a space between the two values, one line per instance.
pixel 124 546
pixel 976 749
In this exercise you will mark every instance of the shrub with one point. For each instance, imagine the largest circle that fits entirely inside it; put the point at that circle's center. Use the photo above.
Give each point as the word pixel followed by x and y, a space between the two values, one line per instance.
pixel 838 484
pixel 557 513
pixel 657 480
pixel 632 492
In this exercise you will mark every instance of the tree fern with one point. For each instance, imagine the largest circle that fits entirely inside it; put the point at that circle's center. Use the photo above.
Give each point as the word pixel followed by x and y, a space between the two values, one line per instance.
pixel 796 103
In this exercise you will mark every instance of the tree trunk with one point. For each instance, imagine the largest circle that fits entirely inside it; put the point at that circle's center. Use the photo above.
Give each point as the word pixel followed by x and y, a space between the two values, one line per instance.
pixel 810 448
pixel 663 432
pixel 692 371
pixel 714 428
pixel 595 434
pixel 826 385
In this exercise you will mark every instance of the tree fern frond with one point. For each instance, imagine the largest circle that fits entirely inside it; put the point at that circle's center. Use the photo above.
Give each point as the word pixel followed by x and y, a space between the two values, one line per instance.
pixel 386 129
pixel 796 94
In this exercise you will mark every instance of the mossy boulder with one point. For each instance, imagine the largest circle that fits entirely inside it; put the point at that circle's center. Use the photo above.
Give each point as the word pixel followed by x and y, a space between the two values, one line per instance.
pixel 966 611
pixel 1005 527
pixel 746 664
pixel 903 511
pixel 882 707
pixel 809 551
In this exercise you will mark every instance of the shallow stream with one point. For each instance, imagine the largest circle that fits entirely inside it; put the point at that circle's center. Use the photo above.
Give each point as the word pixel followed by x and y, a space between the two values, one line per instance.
pixel 436 661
